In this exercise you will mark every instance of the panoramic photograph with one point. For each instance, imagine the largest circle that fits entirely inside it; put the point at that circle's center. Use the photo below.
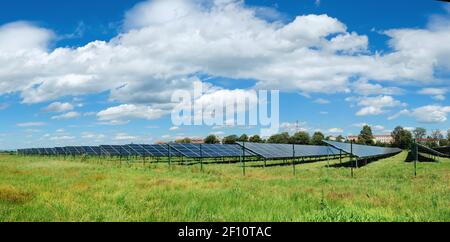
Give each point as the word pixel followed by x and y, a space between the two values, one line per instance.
pixel 224 111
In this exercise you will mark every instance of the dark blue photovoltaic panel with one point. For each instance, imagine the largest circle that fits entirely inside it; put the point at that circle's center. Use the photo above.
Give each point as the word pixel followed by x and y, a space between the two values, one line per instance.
pixel 269 151
pixel 109 150
pixel 60 151
pixel 280 151
pixel 427 150
pixel 161 150
pixel 139 149
pixel 91 150
pixel 209 150
pixel 363 151
pixel 72 150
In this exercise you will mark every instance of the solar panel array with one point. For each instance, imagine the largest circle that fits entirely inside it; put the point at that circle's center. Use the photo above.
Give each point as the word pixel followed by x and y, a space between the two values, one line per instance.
pixel 362 151
pixel 210 150
pixel 281 151
pixel 427 150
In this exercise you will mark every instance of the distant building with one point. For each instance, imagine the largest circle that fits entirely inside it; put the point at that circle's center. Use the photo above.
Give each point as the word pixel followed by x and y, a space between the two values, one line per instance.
pixel 352 138
pixel 378 138
pixel 383 138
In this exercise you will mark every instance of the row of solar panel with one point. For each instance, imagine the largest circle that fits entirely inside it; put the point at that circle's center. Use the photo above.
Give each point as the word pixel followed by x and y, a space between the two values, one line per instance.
pixel 173 150
pixel 424 149
pixel 268 151
pixel 281 151
pixel 362 151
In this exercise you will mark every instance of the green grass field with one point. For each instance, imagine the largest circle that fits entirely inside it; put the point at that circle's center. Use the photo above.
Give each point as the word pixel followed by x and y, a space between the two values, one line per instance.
pixel 54 189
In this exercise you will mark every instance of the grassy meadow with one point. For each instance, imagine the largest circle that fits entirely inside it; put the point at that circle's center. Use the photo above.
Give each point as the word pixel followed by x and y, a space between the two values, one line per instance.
pixel 55 189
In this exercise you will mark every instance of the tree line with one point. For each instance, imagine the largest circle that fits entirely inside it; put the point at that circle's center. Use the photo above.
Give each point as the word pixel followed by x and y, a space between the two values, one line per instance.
pixel 401 137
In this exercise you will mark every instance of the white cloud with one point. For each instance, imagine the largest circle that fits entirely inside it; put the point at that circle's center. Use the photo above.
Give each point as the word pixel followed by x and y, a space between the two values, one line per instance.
pixel 321 101
pixel 92 136
pixel 58 107
pixel 124 113
pixel 365 88
pixel 66 116
pixel 124 137
pixel 64 137
pixel 21 36
pixel 174 128
pixel 436 93
pixel 336 130
pixel 165 43
pixel 31 124
pixel 426 114
pixel 294 127
pixel 375 105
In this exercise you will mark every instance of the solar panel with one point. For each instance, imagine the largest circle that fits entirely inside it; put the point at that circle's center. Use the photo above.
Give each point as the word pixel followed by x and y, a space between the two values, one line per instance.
pixel 90 150
pixel 362 151
pixel 50 151
pixel 269 151
pixel 427 150
pixel 280 151
pixel 161 150
pixel 109 150
pixel 209 150
pixel 72 150
pixel 60 151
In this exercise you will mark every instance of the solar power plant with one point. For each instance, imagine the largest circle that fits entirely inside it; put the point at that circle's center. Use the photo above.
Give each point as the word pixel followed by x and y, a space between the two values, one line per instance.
pixel 127 150
pixel 209 150
pixel 427 150
pixel 140 150
pixel 109 150
pixel 72 150
pixel 315 150
pixel 50 151
pixel 362 151
pixel 40 151
pixel 161 151
pixel 444 150
pixel 60 151
pixel 91 150
pixel 269 151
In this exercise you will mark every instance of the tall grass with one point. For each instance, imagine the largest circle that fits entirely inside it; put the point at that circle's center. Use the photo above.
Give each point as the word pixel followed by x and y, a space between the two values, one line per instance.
pixel 54 189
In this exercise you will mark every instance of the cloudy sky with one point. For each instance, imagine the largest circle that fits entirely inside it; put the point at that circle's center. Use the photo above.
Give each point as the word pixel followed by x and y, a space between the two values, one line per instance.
pixel 97 72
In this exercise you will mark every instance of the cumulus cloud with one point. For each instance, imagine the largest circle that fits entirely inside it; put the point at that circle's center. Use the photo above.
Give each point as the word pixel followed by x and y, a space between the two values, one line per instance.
pixel 165 43
pixel 21 36
pixel 335 130
pixel 66 116
pixel 375 105
pixel 321 101
pixel 426 114
pixel 436 93
pixel 31 124
pixel 124 113
pixel 58 107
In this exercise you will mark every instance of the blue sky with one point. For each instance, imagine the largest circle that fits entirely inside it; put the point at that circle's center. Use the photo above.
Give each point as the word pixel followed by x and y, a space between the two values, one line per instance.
pixel 93 72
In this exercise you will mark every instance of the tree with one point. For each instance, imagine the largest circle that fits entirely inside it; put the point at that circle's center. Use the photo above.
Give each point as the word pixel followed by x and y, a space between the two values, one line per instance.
pixel 419 133
pixel 211 139
pixel 340 138
pixel 437 136
pixel 448 135
pixel 365 136
pixel 256 139
pixel 301 138
pixel 317 138
pixel 231 139
pixel 282 138
pixel 402 137
pixel 184 141
pixel 243 138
